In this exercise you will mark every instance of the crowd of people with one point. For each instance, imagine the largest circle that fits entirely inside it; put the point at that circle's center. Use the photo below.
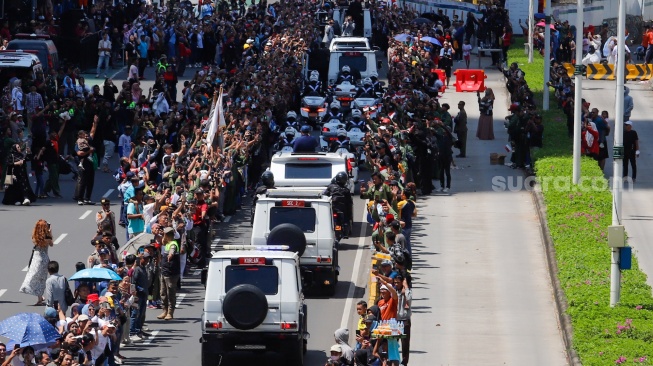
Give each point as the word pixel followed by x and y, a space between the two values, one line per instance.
pixel 173 185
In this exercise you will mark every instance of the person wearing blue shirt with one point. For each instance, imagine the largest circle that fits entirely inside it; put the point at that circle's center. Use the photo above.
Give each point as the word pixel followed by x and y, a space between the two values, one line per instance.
pixel 305 142
pixel 142 56
pixel 135 218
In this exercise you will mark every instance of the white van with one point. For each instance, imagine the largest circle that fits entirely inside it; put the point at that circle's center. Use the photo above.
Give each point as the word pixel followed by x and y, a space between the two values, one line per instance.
pixel 350 44
pixel 360 61
pixel 20 65
pixel 311 169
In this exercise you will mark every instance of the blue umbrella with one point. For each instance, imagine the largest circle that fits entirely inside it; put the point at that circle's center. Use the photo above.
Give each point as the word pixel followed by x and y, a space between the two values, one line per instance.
pixel 28 329
pixel 95 275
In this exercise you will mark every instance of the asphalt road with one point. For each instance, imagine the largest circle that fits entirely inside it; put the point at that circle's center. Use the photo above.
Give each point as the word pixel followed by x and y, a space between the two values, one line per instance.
pixel 481 295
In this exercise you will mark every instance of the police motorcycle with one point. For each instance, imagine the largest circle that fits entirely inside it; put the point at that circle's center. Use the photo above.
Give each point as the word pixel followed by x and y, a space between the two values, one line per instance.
pixel 286 138
pixel 314 102
pixel 356 129
pixel 333 120
pixel 345 87
pixel 339 143
pixel 368 99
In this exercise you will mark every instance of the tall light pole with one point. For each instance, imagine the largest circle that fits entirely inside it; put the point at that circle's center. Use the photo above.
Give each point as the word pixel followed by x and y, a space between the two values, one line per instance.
pixel 618 151
pixel 531 20
pixel 578 97
pixel 547 53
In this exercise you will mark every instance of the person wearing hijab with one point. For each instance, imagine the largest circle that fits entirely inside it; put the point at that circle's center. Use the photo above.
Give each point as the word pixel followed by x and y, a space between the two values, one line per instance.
pixel 19 192
pixel 342 339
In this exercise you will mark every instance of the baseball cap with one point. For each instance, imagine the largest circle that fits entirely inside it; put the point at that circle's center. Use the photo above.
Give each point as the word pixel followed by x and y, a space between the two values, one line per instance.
pixel 82 318
pixel 168 230
pixel 386 262
pixel 107 233
pixel 389 217
pixel 629 123
pixel 92 298
pixel 50 312
pixel 395 224
pixel 105 201
pixel 103 251
pixel 306 128
pixel 384 288
pixel 336 348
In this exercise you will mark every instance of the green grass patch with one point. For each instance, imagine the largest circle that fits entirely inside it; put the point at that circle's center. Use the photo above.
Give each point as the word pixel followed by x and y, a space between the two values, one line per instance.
pixel 578 217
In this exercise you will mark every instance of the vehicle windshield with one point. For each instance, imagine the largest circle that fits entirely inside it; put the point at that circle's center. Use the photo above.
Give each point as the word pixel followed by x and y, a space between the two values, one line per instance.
pixel 308 171
pixel 355 62
pixel 266 278
pixel 304 218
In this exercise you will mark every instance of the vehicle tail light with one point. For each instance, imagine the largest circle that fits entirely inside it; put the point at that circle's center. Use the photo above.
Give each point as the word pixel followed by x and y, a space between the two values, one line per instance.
pixel 305 109
pixel 324 259
pixel 351 162
pixel 311 159
pixel 288 325
pixel 320 110
pixel 349 165
pixel 213 325
pixel 325 129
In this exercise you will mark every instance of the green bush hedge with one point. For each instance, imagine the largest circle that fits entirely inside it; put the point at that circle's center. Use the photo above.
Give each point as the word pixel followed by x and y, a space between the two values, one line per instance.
pixel 578 217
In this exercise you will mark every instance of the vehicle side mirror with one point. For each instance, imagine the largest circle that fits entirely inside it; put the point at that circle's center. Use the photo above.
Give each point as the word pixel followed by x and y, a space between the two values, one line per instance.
pixel 379 65
pixel 203 275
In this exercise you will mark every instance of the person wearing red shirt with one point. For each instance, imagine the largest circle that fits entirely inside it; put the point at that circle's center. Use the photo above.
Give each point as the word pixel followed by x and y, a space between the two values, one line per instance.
pixel 506 39
pixel 590 140
pixel 388 301
pixel 200 226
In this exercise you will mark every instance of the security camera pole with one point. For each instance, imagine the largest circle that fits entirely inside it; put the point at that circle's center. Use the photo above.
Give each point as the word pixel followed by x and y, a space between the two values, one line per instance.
pixel 578 96
pixel 618 152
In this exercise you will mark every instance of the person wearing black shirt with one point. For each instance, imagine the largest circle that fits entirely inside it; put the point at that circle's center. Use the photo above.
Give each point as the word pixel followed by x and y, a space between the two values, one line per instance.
pixel 631 149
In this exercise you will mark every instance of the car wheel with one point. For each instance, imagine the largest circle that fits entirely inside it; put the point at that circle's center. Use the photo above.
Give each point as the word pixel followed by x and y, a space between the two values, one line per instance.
pixel 290 235
pixel 245 307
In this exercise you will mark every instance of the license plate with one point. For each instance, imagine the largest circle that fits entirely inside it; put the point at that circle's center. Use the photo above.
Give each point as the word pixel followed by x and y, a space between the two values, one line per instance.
pixel 312 114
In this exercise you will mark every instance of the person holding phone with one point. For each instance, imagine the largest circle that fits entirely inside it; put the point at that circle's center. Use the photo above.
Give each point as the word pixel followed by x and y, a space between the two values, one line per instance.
pixel 26 352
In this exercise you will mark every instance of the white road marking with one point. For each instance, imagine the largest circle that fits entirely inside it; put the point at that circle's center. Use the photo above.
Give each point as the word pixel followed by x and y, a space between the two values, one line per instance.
pixel 227 219
pixel 354 273
pixel 151 338
pixel 108 193
pixel 60 238
pixel 118 72
pixel 2 291
pixel 180 298
pixel 197 272
pixel 214 243
pixel 85 215
pixel 25 269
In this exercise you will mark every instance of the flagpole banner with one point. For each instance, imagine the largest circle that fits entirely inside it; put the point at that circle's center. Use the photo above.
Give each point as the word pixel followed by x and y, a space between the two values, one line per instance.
pixel 216 119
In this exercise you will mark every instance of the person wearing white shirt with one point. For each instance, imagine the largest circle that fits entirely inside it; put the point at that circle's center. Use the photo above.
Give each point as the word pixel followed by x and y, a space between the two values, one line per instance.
pixel 104 53
pixel 17 97
pixel 592 57
pixel 103 339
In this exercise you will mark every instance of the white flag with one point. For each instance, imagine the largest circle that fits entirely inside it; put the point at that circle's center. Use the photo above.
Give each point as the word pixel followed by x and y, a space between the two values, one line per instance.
pixel 216 120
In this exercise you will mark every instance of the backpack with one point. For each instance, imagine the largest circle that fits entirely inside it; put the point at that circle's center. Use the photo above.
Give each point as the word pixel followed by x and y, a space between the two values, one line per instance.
pixel 401 254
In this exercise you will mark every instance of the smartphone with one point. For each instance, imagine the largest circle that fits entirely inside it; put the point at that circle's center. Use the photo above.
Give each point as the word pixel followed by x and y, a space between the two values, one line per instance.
pixel 132 288
pixel 16 346
pixel 106 261
pixel 56 304
pixel 358 332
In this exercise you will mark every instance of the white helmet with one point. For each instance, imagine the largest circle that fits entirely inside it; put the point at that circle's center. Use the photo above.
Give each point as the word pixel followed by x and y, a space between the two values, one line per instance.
pixel 335 105
pixel 341 132
pixel 356 113
pixel 367 81
pixel 346 69
pixel 374 74
pixel 316 73
pixel 291 114
pixel 289 131
pixel 313 77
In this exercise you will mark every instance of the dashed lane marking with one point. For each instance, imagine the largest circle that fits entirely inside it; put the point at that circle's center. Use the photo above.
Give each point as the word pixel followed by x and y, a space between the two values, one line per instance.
pixel 150 338
pixel 2 291
pixel 25 269
pixel 227 219
pixel 180 298
pixel 60 238
pixel 108 193
pixel 85 215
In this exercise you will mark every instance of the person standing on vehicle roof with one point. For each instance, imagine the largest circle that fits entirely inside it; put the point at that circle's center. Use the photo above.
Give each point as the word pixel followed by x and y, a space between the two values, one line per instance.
pixel 305 142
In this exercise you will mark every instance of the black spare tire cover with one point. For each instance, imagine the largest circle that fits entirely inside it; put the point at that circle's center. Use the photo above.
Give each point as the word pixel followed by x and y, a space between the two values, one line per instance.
pixel 245 307
pixel 290 235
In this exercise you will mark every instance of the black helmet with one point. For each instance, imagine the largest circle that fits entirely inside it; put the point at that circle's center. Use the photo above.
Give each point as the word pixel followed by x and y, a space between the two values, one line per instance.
pixel 267 178
pixel 341 179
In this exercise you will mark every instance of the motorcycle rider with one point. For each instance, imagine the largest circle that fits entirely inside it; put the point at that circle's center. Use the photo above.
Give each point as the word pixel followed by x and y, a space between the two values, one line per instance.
pixel 366 90
pixel 357 120
pixel 267 182
pixel 341 142
pixel 286 141
pixel 314 86
pixel 345 74
pixel 341 199
pixel 333 113
pixel 291 120
pixel 375 82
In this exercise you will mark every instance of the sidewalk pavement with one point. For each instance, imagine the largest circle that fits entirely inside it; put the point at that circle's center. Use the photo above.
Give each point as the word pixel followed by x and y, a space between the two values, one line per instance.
pixel 482 294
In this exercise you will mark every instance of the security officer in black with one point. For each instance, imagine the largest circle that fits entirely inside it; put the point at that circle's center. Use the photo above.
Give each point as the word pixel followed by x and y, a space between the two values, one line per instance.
pixel 341 199
pixel 267 182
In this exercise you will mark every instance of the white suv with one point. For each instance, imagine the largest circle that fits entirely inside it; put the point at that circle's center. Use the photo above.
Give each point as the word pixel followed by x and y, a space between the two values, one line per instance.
pixel 284 216
pixel 312 169
pixel 253 302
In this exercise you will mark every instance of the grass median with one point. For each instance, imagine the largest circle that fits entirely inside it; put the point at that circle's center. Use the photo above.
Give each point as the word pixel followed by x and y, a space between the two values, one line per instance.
pixel 578 217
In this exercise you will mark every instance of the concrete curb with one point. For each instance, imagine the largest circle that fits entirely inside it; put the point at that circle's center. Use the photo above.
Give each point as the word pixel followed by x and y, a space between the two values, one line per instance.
pixel 558 293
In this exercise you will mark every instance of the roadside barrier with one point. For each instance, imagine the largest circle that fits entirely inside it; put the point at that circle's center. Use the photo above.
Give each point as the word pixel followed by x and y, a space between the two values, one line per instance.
pixel 470 80
pixel 600 72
